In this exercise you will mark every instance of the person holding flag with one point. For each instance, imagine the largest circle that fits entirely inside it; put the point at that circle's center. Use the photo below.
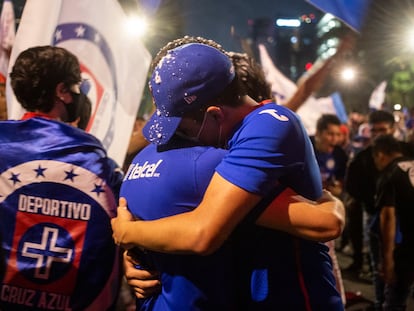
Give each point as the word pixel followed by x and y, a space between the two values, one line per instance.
pixel 58 192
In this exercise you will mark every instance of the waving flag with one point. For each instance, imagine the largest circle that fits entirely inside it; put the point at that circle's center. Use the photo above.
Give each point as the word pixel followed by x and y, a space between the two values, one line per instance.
pixel 283 88
pixel 313 108
pixel 377 97
pixel 351 12
pixel 114 63
pixel 7 34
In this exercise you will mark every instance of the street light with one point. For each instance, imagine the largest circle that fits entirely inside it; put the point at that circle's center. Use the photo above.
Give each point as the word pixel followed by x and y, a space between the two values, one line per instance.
pixel 410 39
pixel 348 74
pixel 136 26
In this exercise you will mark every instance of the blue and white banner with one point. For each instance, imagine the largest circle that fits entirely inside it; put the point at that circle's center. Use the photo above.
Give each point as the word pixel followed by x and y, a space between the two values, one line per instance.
pixel 283 89
pixel 114 63
pixel 351 12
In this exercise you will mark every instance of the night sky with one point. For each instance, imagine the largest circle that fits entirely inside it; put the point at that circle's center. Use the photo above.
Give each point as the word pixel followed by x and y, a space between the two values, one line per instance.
pixel 214 18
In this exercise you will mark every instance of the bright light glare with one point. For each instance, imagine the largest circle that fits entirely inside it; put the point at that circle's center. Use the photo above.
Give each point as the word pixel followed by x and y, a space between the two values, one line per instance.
pixel 397 107
pixel 348 74
pixel 283 22
pixel 136 26
pixel 410 39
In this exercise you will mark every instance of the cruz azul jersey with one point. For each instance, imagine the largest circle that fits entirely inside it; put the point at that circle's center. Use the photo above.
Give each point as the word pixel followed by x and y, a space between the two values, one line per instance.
pixel 160 184
pixel 56 201
pixel 269 152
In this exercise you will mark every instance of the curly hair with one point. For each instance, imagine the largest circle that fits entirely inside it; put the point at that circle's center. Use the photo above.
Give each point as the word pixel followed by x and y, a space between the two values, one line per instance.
pixel 181 41
pixel 252 76
pixel 36 73
pixel 249 72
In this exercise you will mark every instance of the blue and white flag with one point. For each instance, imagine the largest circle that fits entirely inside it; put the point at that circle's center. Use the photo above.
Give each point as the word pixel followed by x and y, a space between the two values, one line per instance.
pixel 351 12
pixel 283 89
pixel 7 35
pixel 313 108
pixel 377 98
pixel 55 212
pixel 114 63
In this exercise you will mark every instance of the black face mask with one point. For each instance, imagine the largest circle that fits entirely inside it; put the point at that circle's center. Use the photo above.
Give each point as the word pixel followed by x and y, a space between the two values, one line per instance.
pixel 73 108
pixel 81 106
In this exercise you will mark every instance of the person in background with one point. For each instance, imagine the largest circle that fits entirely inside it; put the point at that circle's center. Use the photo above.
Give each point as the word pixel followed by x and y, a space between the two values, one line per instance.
pixel 360 184
pixel 332 161
pixel 58 192
pixel 345 140
pixel 354 209
pixel 331 158
pixel 394 201
pixel 191 107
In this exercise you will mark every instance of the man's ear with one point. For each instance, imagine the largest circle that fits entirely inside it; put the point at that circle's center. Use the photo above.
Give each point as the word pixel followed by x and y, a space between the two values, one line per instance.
pixel 62 92
pixel 216 113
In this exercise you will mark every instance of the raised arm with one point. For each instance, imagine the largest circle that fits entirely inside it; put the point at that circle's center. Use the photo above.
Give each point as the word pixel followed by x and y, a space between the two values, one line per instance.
pixel 316 77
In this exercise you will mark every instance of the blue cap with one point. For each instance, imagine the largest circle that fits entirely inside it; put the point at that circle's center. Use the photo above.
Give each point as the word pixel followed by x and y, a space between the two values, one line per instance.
pixel 184 80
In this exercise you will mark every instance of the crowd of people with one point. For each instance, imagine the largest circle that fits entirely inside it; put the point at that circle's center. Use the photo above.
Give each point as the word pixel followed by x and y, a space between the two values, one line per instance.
pixel 225 202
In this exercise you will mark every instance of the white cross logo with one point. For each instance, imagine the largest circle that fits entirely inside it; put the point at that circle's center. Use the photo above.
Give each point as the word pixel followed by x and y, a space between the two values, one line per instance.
pixel 48 244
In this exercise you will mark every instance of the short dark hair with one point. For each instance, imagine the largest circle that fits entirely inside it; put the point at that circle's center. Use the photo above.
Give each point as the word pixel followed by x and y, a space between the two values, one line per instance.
pixel 386 144
pixel 324 121
pixel 36 73
pixel 378 116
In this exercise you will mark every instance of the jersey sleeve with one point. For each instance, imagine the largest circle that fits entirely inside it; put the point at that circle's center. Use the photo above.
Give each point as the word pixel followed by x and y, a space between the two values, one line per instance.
pixel 270 147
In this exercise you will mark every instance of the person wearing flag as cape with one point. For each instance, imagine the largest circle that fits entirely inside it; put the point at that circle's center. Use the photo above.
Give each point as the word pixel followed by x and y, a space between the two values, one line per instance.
pixel 199 98
pixel 58 192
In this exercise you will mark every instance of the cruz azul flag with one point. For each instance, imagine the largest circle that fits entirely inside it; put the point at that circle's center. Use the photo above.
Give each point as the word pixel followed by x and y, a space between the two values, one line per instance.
pixel 377 98
pixel 114 64
pixel 55 211
pixel 283 89
pixel 351 12
pixel 7 34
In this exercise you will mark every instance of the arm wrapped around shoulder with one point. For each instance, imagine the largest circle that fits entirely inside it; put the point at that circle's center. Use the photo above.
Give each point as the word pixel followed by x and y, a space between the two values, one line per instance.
pixel 321 221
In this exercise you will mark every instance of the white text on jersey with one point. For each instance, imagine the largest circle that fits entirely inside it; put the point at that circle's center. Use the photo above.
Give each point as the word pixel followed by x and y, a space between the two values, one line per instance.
pixel 136 170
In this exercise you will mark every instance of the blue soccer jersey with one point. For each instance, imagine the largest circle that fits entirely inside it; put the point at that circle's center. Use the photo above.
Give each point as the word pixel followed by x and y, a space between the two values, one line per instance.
pixel 58 192
pixel 160 184
pixel 270 151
